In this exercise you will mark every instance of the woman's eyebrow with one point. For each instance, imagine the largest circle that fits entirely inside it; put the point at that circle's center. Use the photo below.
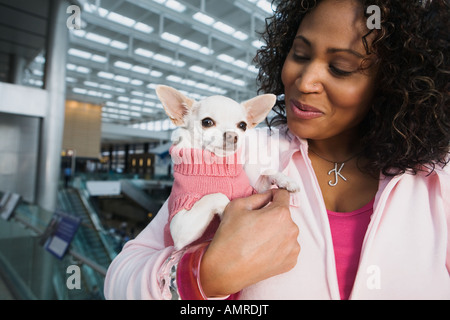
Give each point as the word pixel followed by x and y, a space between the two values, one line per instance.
pixel 331 50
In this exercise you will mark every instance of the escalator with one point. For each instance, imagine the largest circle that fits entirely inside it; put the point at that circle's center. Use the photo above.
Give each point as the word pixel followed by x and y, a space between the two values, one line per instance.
pixel 88 239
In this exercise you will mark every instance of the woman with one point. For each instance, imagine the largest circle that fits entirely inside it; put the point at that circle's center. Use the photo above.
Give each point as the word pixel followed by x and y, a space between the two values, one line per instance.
pixel 364 128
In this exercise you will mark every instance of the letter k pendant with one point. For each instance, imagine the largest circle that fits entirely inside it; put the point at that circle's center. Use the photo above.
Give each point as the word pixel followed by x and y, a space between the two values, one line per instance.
pixel 337 174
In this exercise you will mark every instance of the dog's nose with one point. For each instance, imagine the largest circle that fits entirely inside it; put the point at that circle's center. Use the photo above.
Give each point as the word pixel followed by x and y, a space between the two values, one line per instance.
pixel 230 137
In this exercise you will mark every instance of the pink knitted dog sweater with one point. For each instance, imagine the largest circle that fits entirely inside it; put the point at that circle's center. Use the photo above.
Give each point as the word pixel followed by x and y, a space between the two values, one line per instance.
pixel 198 173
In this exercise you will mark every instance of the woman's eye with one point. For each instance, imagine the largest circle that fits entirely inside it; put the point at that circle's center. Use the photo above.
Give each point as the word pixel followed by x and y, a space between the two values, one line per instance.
pixel 208 122
pixel 340 72
pixel 300 57
pixel 242 125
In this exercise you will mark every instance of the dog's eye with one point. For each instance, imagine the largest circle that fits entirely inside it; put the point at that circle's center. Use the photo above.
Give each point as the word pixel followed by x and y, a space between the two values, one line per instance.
pixel 242 125
pixel 208 122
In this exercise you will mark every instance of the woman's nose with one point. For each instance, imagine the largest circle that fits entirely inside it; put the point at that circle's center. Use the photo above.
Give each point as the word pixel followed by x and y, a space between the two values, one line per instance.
pixel 309 80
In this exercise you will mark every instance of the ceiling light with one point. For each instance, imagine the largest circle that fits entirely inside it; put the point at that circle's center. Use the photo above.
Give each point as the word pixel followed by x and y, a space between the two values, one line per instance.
pixel 225 58
pixel 136 82
pixel 105 75
pixel 137 93
pixel 174 78
pixel 265 5
pixel 79 53
pixel 118 18
pixel 175 5
pixel 94 93
pixel 98 58
pixel 203 18
pixel 191 45
pixel 170 37
pixel 253 69
pixel 83 69
pixel 144 52
pixel 197 69
pixel 156 74
pixel 223 27
pixel 79 33
pixel 162 58
pixel 137 101
pixel 79 90
pixel 179 63
pixel 123 65
pixel 241 64
pixel 102 11
pixel 91 84
pixel 97 38
pixel 143 27
pixel 140 69
pixel 119 45
pixel 39 59
pixel 38 73
pixel 122 79
pixel 239 82
pixel 202 86
pixel 226 78
pixel 212 74
pixel 240 35
pixel 106 87
pixel 206 51
pixel 258 44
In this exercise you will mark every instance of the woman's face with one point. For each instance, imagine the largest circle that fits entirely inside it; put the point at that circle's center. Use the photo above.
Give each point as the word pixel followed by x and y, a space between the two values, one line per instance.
pixel 326 92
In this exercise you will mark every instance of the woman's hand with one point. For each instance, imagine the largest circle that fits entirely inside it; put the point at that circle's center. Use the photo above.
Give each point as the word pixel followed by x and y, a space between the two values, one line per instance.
pixel 256 239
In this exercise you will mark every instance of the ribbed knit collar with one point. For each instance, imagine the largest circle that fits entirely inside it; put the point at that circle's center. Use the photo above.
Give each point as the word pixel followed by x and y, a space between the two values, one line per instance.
pixel 202 162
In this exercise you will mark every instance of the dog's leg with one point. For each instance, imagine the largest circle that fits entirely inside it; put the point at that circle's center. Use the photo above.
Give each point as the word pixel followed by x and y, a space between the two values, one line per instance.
pixel 188 225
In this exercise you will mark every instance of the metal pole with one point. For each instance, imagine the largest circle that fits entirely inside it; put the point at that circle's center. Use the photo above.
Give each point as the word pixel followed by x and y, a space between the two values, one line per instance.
pixel 53 123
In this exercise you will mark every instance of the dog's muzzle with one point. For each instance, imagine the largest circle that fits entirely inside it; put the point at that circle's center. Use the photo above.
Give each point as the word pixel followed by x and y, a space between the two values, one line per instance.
pixel 230 140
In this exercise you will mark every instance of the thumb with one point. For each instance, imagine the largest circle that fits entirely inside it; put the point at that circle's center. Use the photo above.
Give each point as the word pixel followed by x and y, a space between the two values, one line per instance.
pixel 259 200
pixel 281 196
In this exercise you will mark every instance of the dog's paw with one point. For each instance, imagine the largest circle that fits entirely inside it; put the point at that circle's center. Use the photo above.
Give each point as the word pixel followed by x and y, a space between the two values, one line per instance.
pixel 287 183
pixel 281 181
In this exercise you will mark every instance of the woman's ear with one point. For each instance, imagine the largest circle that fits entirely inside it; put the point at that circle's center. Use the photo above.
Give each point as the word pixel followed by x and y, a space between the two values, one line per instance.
pixel 175 104
pixel 258 108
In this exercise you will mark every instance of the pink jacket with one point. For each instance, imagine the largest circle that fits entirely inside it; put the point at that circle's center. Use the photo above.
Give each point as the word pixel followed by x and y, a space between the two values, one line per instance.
pixel 405 253
pixel 200 172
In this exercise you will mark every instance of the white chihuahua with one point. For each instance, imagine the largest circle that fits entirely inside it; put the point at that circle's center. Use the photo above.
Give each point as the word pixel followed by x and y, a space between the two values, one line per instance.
pixel 208 170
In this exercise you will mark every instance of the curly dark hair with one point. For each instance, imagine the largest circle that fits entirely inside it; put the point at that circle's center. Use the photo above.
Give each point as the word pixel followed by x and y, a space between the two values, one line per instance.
pixel 408 125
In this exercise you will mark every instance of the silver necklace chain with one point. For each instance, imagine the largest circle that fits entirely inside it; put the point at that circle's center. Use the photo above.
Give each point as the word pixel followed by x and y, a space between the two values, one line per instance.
pixel 335 170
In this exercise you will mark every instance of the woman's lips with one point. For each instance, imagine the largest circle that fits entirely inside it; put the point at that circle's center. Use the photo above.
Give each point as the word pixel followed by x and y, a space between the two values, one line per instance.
pixel 304 111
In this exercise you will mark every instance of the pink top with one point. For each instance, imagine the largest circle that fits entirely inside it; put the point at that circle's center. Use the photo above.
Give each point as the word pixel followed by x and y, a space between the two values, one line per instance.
pixel 199 172
pixel 348 230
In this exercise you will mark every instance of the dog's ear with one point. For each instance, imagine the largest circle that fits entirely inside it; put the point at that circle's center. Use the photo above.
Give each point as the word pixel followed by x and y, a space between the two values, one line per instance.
pixel 258 108
pixel 175 103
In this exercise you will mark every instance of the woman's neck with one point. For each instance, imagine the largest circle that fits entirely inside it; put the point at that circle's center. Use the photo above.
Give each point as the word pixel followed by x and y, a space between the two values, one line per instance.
pixel 337 148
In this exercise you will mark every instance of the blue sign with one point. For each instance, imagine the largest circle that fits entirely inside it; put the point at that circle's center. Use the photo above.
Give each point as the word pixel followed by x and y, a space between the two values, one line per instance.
pixel 60 232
